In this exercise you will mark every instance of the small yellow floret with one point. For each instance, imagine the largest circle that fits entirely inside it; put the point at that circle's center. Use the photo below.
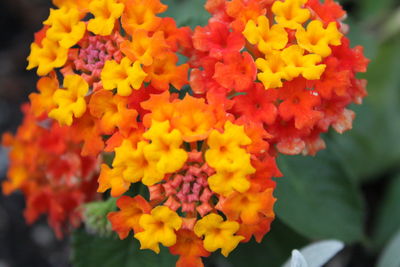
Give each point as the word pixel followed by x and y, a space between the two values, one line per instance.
pixel 158 227
pixel 165 147
pixel 232 177
pixel 299 64
pixel 124 76
pixel 65 26
pixel 105 13
pixel 316 39
pixel 46 57
pixel 265 37
pixel 230 161
pixel 71 100
pixel 273 70
pixel 218 234
pixel 134 165
pixel 290 13
pixel 223 146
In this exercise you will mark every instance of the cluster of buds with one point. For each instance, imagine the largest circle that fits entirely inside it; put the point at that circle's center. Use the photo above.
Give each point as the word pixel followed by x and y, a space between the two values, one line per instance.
pixel 262 78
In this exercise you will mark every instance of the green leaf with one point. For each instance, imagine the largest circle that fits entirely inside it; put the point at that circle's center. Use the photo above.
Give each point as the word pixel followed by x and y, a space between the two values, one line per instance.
pixel 390 256
pixel 391 27
pixel 317 198
pixel 388 217
pixel 93 251
pixel 360 34
pixel 271 252
pixel 372 9
pixel 187 12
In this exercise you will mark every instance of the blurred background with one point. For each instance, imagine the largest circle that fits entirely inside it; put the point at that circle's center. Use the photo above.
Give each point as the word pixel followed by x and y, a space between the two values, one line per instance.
pixel 21 245
pixel 349 192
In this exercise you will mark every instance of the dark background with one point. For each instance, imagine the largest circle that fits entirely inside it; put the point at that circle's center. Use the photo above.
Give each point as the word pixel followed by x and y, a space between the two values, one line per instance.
pixel 21 245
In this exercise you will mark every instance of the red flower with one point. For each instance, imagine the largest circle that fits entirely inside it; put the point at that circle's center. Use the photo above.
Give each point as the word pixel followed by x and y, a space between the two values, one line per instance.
pixel 299 103
pixel 216 39
pixel 257 104
pixel 236 72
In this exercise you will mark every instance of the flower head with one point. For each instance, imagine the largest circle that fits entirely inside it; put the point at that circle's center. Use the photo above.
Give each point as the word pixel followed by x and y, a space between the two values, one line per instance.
pixel 189 159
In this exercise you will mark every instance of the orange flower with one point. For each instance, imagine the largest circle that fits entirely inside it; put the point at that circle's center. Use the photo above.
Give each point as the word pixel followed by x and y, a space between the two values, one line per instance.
pixel 193 118
pixel 160 106
pixel 145 48
pixel 127 219
pixel 243 11
pixel 141 15
pixel 42 102
pixel 113 112
pixel 164 72
pixel 257 230
pixel 112 178
pixel 250 206
pixel 87 130
pixel 190 248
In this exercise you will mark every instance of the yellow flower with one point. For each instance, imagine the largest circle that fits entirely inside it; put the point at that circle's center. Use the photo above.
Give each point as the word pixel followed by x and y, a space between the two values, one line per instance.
pixel 71 102
pixel 134 165
pixel 223 147
pixel 218 234
pixel 265 37
pixel 46 57
pixel 232 177
pixel 65 26
pixel 123 76
pixel 273 70
pixel 165 147
pixel 290 14
pixel 105 13
pixel 159 227
pixel 316 39
pixel 230 161
pixel 299 64
pixel 80 4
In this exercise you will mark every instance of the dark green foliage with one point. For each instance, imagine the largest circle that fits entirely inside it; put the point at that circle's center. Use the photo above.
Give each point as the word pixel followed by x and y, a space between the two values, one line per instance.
pixel 94 251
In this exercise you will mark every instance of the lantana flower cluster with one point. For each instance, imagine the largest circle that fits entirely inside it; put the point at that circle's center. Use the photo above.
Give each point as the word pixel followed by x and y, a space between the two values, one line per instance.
pixel 47 165
pixel 201 137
